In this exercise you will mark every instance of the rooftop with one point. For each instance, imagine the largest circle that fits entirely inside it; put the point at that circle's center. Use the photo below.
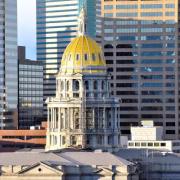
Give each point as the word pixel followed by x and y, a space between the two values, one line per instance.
pixel 30 157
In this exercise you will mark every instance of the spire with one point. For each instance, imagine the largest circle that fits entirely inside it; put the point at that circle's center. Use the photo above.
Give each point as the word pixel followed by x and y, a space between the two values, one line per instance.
pixel 82 22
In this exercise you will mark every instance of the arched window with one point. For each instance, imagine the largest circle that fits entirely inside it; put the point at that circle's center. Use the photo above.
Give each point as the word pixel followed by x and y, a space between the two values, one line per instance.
pixel 102 85
pixel 86 57
pixel 77 57
pixel 77 123
pixel 95 85
pixel 93 57
pixel 73 140
pixel 75 85
pixel 86 85
pixel 110 139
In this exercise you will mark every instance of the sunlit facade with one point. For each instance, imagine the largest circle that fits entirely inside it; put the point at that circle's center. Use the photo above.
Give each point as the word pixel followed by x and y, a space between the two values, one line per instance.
pixel 141 49
pixel 56 27
pixel 8 64
pixel 83 114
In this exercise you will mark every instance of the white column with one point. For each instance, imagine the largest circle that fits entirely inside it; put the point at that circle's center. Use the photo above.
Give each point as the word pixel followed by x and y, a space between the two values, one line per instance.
pixel 105 140
pixel 72 120
pixel 81 115
pixel 62 125
pixel 93 116
pixel 51 118
pixel 68 120
pixel 59 119
pixel 48 125
pixel 112 118
pixel 65 118
pixel 55 118
pixel 94 141
pixel 98 123
pixel 115 117
pixel 104 118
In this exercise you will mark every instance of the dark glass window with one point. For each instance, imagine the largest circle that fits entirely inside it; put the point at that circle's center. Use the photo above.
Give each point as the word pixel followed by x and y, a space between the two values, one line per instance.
pixel 170 123
pixel 95 85
pixel 170 131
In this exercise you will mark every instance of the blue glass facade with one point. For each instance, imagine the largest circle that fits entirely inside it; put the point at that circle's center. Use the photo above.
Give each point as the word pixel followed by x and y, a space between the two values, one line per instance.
pixel 8 65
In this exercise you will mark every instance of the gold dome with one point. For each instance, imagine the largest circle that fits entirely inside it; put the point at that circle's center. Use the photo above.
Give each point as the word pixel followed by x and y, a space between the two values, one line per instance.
pixel 83 55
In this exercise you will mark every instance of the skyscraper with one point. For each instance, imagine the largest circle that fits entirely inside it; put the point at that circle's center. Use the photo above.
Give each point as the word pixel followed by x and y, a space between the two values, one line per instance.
pixel 141 48
pixel 56 26
pixel 8 64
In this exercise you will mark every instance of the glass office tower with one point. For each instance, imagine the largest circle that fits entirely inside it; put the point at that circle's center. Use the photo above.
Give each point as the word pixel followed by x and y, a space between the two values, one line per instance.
pixel 30 91
pixel 57 22
pixel 8 64
pixel 141 48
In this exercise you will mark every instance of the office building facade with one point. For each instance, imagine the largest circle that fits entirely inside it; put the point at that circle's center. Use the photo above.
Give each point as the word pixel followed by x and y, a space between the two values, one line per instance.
pixel 8 64
pixel 56 26
pixel 140 40
pixel 30 96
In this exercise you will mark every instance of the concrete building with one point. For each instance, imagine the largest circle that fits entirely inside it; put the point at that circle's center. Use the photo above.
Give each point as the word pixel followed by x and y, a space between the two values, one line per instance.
pixel 30 93
pixel 141 49
pixel 57 23
pixel 8 65
pixel 34 165
pixel 149 136
pixel 83 113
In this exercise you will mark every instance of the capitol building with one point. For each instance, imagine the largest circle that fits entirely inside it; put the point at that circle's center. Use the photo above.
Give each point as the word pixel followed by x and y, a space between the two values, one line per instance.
pixel 83 114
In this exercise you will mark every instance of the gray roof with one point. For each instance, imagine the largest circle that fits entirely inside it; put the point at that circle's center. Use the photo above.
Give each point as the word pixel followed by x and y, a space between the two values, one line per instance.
pixel 29 158
pixel 61 158
pixel 93 158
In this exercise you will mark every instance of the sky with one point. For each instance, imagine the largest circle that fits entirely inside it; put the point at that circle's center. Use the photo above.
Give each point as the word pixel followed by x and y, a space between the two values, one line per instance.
pixel 27 26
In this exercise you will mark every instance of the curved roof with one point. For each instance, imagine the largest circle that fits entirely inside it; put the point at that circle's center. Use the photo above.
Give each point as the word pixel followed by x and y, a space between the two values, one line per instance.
pixel 83 55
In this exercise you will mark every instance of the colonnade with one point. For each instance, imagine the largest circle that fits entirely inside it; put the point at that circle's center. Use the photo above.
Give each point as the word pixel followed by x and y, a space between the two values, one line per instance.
pixel 92 118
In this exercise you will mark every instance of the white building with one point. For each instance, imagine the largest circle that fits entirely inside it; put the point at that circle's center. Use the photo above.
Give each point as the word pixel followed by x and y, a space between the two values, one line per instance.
pixel 83 113
pixel 150 137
